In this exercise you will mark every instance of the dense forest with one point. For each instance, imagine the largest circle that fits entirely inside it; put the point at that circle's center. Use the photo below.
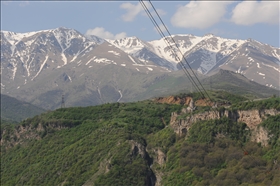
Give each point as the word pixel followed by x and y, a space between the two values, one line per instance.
pixel 134 144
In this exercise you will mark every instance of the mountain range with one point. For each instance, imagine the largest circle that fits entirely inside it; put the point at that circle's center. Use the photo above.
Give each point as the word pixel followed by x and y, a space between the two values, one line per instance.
pixel 39 67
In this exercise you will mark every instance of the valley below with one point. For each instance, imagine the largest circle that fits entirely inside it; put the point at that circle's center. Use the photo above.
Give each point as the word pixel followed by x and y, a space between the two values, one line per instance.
pixel 175 140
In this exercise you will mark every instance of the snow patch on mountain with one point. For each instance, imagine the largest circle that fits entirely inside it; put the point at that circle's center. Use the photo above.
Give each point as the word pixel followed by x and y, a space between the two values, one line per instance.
pixel 132 59
pixel 13 38
pixel 104 60
pixel 239 70
pixel 277 69
pixel 162 49
pixel 74 58
pixel 28 43
pixel 90 60
pixel 275 54
pixel 64 59
pixel 114 52
pixel 69 78
pixel 120 95
pixel 251 59
pixel 130 45
pixel 41 67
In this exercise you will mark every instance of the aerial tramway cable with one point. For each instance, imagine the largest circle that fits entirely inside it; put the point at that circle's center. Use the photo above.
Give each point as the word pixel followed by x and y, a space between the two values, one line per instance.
pixel 176 56
pixel 174 52
pixel 169 45
pixel 180 52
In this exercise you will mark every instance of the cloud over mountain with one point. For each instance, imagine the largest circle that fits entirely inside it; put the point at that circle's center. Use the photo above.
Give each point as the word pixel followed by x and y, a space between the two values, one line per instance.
pixel 199 14
pixel 132 10
pixel 101 32
pixel 253 12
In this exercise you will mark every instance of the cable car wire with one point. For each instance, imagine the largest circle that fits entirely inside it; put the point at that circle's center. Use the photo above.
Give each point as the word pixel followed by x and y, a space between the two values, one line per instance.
pixel 180 52
pixel 169 46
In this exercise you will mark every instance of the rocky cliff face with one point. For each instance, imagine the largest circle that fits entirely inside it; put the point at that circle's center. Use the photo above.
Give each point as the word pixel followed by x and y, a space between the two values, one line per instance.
pixel 183 101
pixel 20 133
pixel 174 100
pixel 251 117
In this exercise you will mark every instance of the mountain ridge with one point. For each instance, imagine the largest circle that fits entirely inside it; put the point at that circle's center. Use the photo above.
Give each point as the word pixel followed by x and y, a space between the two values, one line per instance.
pixel 205 54
pixel 49 61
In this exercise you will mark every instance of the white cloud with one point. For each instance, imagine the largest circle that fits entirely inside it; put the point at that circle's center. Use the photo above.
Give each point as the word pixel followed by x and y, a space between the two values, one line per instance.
pixel 199 14
pixel 132 10
pixel 120 35
pixel 101 32
pixel 252 12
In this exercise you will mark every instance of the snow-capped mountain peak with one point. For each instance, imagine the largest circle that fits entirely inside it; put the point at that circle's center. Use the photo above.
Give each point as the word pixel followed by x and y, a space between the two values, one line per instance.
pixel 96 39
pixel 29 54
pixel 130 45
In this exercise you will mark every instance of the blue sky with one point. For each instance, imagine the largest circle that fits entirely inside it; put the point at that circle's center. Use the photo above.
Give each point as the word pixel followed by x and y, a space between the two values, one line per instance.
pixel 258 20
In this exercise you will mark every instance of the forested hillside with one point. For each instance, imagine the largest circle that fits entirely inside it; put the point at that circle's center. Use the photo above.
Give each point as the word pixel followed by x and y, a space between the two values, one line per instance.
pixel 138 144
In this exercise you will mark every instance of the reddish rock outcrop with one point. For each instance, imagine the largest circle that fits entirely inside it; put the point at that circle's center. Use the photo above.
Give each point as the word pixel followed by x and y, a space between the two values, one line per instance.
pixel 174 100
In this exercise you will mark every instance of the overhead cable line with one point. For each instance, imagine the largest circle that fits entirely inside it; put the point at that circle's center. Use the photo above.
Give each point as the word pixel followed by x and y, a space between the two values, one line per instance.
pixel 169 45
pixel 172 50
pixel 180 51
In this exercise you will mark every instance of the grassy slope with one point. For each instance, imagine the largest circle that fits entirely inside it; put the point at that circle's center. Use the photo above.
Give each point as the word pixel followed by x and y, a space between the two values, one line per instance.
pixel 223 80
pixel 102 85
pixel 13 110
pixel 100 140
pixel 238 84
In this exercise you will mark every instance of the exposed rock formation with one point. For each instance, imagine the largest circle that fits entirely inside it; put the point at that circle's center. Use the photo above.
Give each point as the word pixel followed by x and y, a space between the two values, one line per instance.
pixel 160 156
pixel 251 117
pixel 174 100
pixel 260 135
pixel 20 133
pixel 185 101
pixel 137 148
pixel 203 103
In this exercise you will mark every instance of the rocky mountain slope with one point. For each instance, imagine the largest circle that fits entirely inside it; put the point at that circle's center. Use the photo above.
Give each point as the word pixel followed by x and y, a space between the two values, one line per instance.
pixel 238 84
pixel 25 57
pixel 209 53
pixel 39 67
pixel 15 110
